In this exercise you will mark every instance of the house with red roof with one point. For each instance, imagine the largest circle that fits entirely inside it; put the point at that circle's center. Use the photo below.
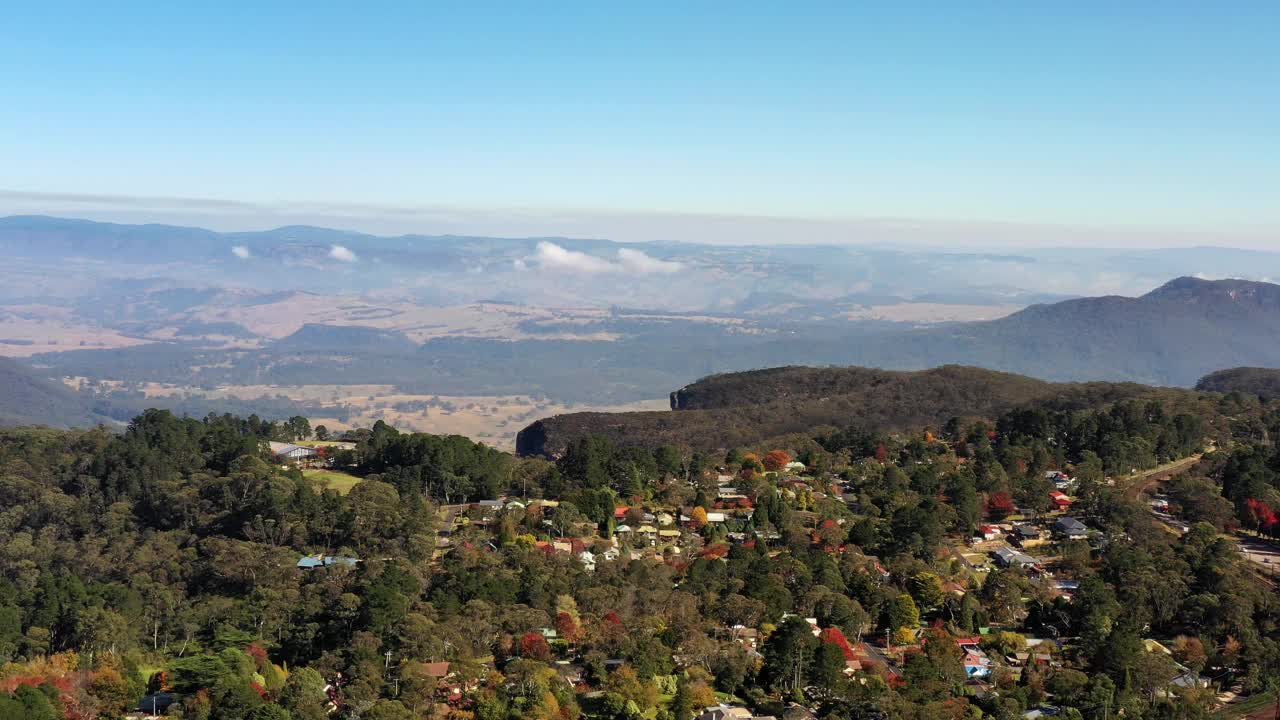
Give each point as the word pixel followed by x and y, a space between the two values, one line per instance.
pixel 1060 500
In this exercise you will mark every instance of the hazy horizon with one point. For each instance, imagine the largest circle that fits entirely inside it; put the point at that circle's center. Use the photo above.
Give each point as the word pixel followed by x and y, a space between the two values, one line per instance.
pixel 224 215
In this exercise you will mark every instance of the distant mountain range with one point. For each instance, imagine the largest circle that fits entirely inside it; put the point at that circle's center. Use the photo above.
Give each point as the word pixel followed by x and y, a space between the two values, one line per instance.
pixel 1170 336
pixel 794 281
pixel 592 321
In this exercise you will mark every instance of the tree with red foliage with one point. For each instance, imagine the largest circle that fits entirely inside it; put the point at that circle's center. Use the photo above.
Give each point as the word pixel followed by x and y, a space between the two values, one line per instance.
pixel 716 551
pixel 1262 517
pixel 568 628
pixel 882 453
pixel 534 647
pixel 612 618
pixel 1000 505
pixel 258 653
pixel 775 460
pixel 834 636
pixel 829 534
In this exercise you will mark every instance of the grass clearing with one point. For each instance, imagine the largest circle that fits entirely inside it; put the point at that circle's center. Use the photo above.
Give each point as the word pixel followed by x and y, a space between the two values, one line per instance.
pixel 1247 707
pixel 333 479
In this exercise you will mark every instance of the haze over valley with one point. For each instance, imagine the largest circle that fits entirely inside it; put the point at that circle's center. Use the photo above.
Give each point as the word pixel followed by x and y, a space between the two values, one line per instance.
pixel 482 336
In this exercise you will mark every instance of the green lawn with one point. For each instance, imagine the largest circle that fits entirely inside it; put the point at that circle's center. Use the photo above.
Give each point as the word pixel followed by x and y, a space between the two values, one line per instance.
pixel 340 481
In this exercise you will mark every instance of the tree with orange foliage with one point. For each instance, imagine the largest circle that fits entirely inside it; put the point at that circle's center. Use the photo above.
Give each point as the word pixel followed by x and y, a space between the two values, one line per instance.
pixel 776 460
pixel 112 692
pixel 698 518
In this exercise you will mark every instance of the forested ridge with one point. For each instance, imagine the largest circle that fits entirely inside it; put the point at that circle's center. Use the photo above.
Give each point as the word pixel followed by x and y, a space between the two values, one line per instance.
pixel 842 573
pixel 731 409
pixel 1264 382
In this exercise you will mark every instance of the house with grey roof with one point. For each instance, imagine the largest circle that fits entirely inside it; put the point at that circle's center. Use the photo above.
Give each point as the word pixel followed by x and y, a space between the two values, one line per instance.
pixel 1008 557
pixel 1070 528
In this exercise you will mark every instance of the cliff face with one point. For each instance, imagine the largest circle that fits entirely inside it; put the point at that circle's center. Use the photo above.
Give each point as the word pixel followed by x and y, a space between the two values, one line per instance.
pixel 533 440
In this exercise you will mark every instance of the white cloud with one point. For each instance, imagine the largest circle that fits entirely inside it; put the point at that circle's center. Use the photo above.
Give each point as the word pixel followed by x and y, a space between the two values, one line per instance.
pixel 338 252
pixel 553 257
pixel 241 252
pixel 638 262
pixel 550 256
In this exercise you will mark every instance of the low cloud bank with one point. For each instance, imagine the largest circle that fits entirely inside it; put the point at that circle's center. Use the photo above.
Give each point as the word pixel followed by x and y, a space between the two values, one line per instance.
pixel 550 256
pixel 340 253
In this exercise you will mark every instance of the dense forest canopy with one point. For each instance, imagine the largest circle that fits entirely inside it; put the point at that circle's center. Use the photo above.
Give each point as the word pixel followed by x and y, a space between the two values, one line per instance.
pixel 839 573
pixel 1264 382
pixel 745 408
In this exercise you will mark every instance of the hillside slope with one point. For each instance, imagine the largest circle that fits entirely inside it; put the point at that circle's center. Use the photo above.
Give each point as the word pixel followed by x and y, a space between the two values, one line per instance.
pixel 28 399
pixel 744 408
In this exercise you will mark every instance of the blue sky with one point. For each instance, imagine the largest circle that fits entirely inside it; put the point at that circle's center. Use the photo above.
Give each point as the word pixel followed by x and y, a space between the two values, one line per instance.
pixel 1150 123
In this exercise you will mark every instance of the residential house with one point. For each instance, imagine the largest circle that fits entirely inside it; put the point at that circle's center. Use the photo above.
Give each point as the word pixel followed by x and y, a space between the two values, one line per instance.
pixel 1008 557
pixel 571 673
pixel 795 711
pixel 976 663
pixel 1190 679
pixel 157 703
pixel 321 560
pixel 1021 659
pixel 1061 502
pixel 748 637
pixel 292 453
pixel 1070 528
pixel 1060 480
pixel 1027 536
pixel 989 532
pixel 731 712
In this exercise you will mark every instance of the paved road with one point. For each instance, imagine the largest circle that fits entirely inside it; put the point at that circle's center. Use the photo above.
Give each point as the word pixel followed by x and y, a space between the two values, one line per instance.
pixel 1147 481
pixel 1263 554
pixel 444 535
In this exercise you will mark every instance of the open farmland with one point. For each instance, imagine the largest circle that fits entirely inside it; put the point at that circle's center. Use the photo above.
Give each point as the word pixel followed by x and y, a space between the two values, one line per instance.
pixel 493 420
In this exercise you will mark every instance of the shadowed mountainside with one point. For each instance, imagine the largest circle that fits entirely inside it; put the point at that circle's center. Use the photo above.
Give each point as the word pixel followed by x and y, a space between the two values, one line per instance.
pixel 737 409
pixel 28 399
